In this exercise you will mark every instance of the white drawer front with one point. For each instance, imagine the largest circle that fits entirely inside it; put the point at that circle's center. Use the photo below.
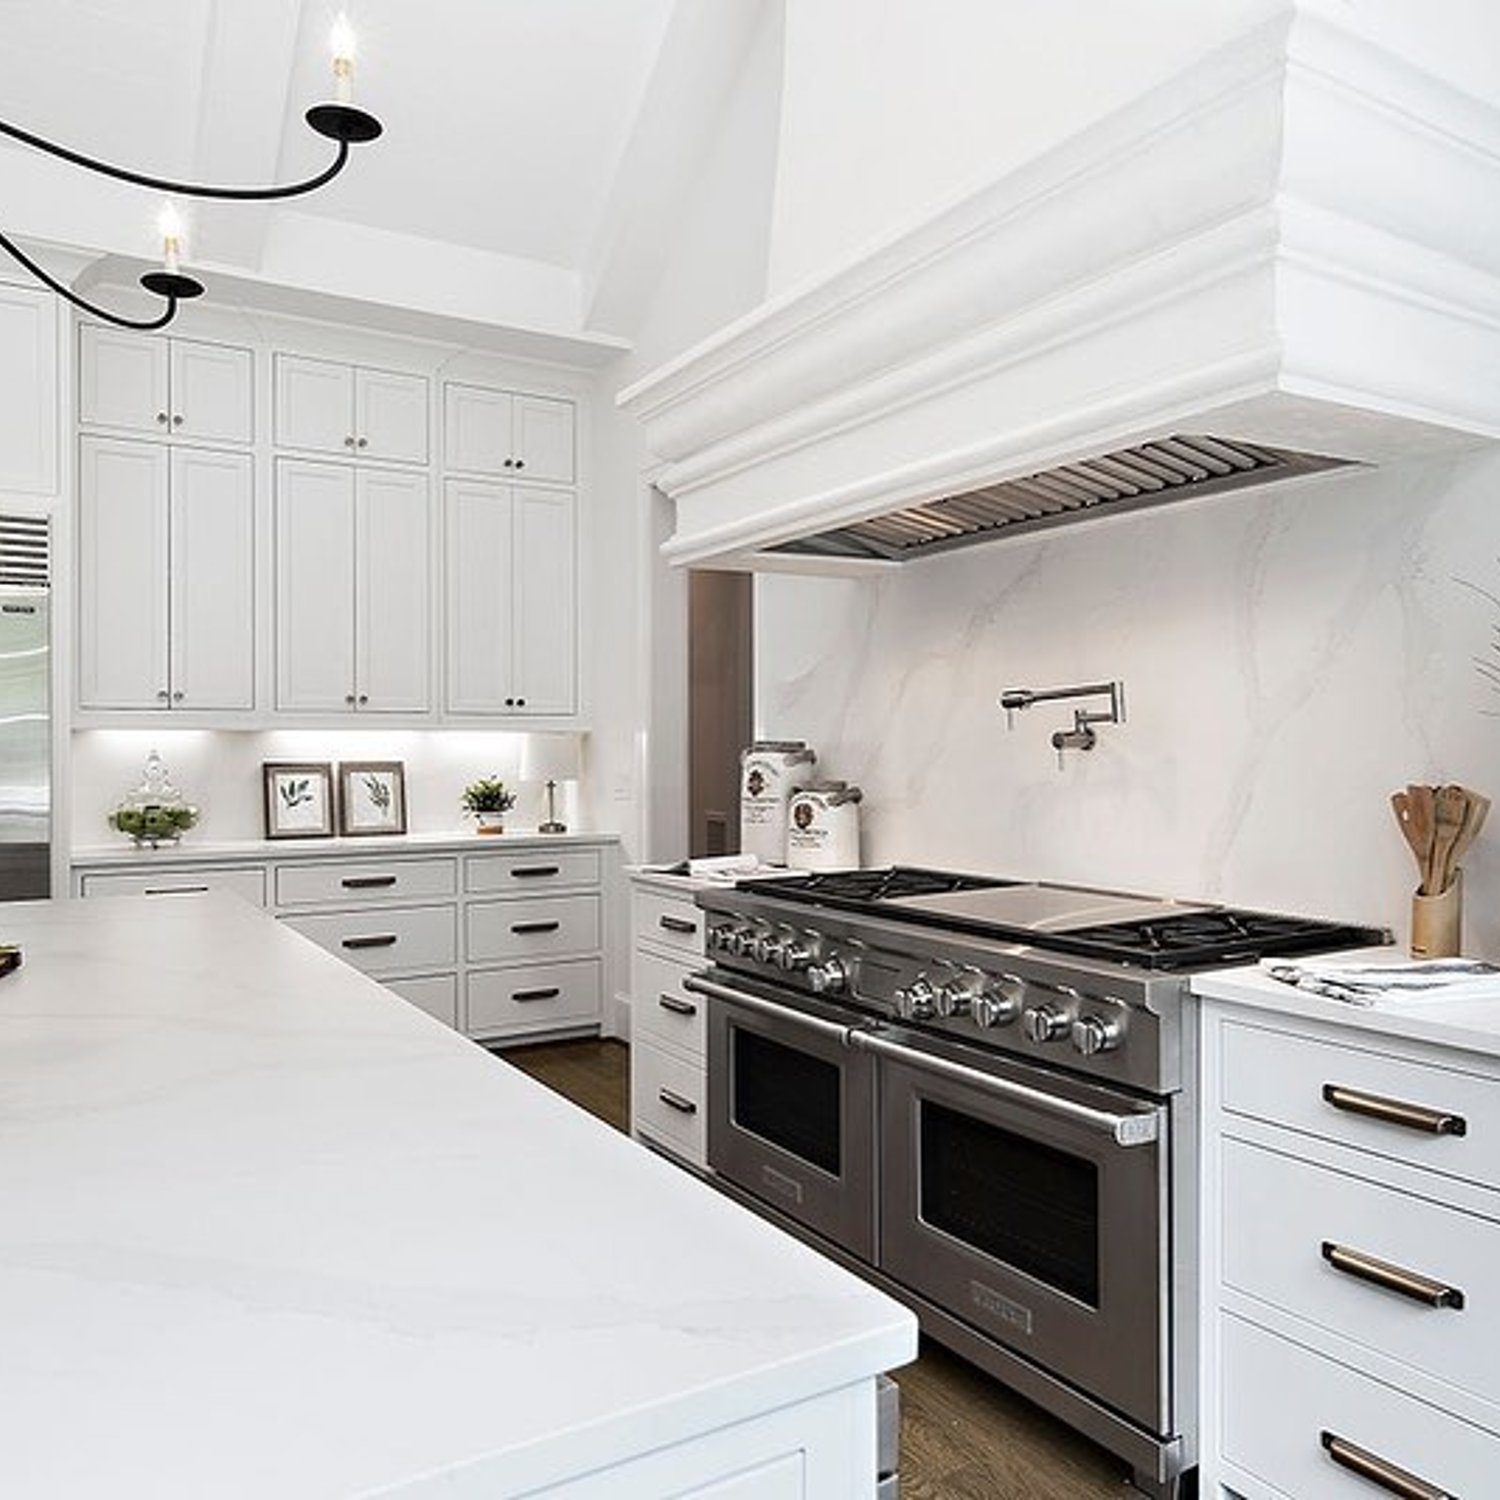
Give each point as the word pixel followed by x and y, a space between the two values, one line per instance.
pixel 523 873
pixel 543 927
pixel 437 994
pixel 249 885
pixel 668 1101
pixel 352 883
pixel 535 998
pixel 672 921
pixel 1283 1079
pixel 1279 1399
pixel 661 1010
pixel 1278 1257
pixel 385 942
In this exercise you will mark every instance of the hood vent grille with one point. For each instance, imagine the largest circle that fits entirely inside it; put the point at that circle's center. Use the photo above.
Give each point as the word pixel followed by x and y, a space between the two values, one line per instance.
pixel 1155 473
pixel 23 551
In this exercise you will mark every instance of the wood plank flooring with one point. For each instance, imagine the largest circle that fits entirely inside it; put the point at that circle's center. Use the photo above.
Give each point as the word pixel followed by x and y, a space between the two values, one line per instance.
pixel 963 1435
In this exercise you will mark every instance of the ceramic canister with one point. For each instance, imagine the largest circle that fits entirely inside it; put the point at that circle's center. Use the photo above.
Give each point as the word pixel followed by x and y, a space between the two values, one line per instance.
pixel 823 827
pixel 770 771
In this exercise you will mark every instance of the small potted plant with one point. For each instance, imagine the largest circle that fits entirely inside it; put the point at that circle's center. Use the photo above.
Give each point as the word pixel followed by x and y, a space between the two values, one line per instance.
pixel 487 801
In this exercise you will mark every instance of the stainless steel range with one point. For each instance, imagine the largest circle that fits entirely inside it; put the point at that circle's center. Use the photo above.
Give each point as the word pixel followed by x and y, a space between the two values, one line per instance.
pixel 977 1091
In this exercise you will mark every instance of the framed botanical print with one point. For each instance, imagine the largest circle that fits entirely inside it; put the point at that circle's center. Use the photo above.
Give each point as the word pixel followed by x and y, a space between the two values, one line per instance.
pixel 372 797
pixel 299 800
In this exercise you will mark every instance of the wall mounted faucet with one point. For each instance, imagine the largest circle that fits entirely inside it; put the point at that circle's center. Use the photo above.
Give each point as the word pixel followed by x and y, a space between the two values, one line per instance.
pixel 1082 736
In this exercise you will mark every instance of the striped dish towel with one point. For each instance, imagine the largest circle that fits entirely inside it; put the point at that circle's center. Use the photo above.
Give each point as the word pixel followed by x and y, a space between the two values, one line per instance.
pixel 1391 984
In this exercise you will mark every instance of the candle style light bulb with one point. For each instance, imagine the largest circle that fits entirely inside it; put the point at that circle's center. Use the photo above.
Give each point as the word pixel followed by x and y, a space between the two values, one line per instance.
pixel 341 43
pixel 169 222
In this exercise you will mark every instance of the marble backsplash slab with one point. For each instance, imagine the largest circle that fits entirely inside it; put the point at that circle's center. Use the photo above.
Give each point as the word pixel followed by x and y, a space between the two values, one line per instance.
pixel 1290 657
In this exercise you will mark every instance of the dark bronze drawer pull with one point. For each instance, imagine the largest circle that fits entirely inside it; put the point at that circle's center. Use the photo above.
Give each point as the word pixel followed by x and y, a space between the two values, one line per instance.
pixel 524 928
pixel 534 872
pixel 549 994
pixel 679 1102
pixel 367 882
pixel 176 890
pixel 678 924
pixel 379 940
pixel 1380 1472
pixel 676 1006
pixel 1395 1111
pixel 1383 1274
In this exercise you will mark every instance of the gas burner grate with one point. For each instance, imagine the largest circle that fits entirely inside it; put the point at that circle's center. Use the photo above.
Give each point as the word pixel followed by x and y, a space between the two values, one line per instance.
pixel 1211 938
pixel 860 888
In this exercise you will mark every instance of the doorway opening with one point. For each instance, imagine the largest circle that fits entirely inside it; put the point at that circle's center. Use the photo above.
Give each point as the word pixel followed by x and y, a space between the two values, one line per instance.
pixel 721 705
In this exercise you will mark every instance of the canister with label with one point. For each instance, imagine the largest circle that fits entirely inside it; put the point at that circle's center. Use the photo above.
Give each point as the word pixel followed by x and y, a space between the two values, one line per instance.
pixel 823 827
pixel 770 771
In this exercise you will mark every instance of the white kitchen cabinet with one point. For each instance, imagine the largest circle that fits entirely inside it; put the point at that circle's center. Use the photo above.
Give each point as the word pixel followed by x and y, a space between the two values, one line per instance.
pixel 28 391
pixel 166 577
pixel 509 434
pixel 352 581
pixel 327 407
pixel 512 600
pixel 166 387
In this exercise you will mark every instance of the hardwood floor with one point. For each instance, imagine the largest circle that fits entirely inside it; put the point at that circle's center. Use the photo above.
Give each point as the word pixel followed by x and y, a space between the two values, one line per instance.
pixel 963 1435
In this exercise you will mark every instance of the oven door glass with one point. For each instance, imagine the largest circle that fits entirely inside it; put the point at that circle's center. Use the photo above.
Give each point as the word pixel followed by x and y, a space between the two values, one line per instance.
pixel 791 1117
pixel 1040 1230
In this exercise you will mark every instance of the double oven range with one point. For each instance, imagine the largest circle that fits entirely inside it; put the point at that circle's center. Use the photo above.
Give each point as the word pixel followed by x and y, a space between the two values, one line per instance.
pixel 978 1093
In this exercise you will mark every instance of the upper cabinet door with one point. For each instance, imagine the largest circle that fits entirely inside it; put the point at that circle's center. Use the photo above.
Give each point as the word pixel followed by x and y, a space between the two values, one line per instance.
pixel 390 416
pixel 480 564
pixel 122 575
pixel 546 603
pixel 543 439
pixel 477 431
pixel 213 580
pixel 28 391
pixel 213 392
pixel 314 405
pixel 123 380
pixel 393 600
pixel 314 587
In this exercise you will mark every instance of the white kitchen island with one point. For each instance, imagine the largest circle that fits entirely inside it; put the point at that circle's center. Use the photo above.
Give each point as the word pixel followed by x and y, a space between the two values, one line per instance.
pixel 269 1231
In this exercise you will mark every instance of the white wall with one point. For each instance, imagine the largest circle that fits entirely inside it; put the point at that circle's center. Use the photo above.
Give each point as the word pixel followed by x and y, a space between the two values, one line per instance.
pixel 895 107
pixel 1290 658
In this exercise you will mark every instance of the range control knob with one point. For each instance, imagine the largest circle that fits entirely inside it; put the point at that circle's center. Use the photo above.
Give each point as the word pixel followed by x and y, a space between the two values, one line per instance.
pixel 918 1002
pixel 999 1002
pixel 794 955
pixel 742 941
pixel 765 947
pixel 957 997
pixel 1045 1023
pixel 829 977
pixel 1093 1034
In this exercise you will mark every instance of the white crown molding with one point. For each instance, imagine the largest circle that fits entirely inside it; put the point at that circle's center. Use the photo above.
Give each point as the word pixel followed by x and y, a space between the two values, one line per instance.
pixel 1300 234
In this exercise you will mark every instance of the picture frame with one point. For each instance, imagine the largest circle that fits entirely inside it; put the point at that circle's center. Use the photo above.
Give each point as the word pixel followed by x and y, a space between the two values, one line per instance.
pixel 372 798
pixel 299 800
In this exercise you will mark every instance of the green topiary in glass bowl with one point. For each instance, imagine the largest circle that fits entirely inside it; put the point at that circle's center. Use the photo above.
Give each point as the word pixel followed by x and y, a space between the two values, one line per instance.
pixel 152 823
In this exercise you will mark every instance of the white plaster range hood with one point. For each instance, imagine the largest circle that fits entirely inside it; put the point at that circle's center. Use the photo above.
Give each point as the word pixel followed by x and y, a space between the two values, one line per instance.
pixel 1287 257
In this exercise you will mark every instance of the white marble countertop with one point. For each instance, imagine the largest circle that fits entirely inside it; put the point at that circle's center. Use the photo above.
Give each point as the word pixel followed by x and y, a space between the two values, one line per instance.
pixel 270 1231
pixel 1472 1025
pixel 123 853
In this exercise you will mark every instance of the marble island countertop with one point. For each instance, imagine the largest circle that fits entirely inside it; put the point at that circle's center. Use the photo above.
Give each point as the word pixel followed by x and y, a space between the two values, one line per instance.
pixel 268 1230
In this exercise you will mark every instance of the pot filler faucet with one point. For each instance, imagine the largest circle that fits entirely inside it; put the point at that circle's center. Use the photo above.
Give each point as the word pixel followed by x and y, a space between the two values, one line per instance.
pixel 1082 735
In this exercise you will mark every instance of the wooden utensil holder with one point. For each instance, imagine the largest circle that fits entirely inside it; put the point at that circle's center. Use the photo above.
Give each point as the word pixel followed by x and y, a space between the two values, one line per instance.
pixel 1437 922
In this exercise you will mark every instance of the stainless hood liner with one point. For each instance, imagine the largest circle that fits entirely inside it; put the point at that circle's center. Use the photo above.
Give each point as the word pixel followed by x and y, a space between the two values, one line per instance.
pixel 1173 468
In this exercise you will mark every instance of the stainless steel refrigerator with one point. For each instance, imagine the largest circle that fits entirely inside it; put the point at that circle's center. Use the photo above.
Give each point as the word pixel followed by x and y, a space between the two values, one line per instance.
pixel 25 710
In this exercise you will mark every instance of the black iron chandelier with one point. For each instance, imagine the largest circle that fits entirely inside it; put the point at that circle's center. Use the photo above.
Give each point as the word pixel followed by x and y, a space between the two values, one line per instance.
pixel 338 121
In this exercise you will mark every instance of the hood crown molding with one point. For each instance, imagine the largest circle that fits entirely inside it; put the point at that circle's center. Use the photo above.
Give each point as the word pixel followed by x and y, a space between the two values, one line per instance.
pixel 1295 243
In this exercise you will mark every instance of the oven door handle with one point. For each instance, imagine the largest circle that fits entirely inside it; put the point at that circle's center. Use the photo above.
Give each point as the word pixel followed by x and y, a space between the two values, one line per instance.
pixel 1124 1130
pixel 816 1024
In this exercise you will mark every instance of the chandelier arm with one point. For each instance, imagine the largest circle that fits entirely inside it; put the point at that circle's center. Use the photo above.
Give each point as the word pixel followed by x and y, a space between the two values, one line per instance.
pixel 146 325
pixel 182 189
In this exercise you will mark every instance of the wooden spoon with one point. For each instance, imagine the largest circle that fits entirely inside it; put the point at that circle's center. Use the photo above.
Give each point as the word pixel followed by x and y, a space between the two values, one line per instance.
pixel 1450 804
pixel 1401 805
pixel 1424 826
pixel 1476 809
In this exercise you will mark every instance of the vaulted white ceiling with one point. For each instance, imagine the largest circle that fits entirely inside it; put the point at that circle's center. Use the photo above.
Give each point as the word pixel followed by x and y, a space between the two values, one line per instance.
pixel 509 125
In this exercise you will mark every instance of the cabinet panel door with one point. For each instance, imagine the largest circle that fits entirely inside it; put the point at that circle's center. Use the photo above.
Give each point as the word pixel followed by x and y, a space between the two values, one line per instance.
pixel 314 404
pixel 314 587
pixel 393 599
pixel 544 439
pixel 122 574
pixel 213 392
pixel 213 580
pixel 477 430
pixel 28 391
pixel 390 416
pixel 122 379
pixel 546 603
pixel 480 560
